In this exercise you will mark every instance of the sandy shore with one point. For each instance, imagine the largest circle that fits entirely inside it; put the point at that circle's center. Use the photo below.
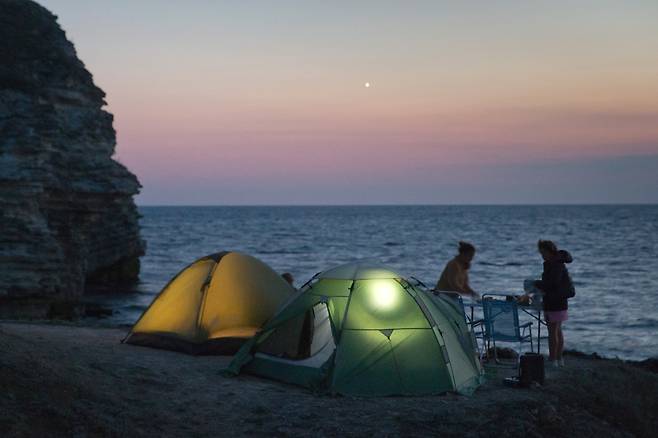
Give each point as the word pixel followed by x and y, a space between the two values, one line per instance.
pixel 62 380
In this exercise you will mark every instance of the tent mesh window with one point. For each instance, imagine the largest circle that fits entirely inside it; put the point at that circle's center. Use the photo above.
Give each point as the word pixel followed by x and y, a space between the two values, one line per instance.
pixel 300 337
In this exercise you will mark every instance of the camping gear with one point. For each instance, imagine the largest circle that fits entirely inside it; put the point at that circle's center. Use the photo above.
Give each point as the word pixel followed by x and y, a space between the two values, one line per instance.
pixel 501 323
pixel 212 306
pixel 533 310
pixel 362 329
pixel 531 369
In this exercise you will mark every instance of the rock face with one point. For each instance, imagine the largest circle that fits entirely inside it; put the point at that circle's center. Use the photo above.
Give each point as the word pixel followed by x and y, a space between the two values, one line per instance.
pixel 67 215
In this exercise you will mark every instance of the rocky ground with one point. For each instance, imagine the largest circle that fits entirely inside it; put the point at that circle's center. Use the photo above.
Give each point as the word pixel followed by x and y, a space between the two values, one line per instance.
pixel 65 380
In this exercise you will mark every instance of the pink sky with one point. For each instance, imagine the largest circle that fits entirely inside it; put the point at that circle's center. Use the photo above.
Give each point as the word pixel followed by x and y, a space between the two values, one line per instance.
pixel 219 103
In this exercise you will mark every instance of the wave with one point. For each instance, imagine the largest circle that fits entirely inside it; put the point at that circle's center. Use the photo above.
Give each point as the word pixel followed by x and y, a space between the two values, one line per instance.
pixel 501 264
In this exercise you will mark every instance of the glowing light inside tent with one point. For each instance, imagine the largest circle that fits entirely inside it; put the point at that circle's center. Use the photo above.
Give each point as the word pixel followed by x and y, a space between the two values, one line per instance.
pixel 385 296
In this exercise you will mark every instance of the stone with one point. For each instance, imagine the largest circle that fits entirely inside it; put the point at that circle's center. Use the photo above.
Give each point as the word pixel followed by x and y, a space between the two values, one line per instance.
pixel 67 215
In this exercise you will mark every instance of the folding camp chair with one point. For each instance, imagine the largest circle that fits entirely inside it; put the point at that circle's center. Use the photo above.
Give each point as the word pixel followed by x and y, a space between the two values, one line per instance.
pixel 501 324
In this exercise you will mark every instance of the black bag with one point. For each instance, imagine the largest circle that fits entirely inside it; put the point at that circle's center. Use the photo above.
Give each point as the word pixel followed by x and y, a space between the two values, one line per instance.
pixel 569 291
pixel 531 369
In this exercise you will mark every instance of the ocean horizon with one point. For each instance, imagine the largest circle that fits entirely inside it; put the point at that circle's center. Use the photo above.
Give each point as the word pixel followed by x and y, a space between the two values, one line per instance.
pixel 614 290
pixel 402 204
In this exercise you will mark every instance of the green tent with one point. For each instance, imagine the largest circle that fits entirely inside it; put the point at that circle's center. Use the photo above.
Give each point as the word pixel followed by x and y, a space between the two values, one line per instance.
pixel 362 329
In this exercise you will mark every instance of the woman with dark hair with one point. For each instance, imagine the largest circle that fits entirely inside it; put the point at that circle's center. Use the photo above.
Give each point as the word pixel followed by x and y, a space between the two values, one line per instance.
pixel 454 277
pixel 557 287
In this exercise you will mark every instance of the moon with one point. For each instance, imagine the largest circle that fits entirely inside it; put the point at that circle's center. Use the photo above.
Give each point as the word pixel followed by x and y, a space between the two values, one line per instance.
pixel 367 85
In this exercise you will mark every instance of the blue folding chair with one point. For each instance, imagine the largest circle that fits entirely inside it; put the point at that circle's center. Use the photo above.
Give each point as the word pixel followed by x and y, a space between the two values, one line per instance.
pixel 501 324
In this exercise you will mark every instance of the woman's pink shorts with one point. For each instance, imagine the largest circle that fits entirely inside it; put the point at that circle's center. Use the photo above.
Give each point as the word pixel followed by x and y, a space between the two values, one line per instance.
pixel 556 316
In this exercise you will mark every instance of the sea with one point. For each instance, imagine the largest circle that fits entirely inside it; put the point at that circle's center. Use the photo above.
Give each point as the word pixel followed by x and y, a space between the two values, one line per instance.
pixel 615 251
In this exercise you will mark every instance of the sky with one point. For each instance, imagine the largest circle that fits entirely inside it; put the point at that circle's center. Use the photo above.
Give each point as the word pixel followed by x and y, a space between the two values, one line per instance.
pixel 264 102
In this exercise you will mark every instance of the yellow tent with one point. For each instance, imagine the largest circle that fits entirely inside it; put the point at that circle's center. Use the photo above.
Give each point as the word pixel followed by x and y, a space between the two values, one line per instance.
pixel 212 306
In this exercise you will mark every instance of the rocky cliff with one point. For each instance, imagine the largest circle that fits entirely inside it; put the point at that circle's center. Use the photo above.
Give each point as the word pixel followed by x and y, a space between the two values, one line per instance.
pixel 67 215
